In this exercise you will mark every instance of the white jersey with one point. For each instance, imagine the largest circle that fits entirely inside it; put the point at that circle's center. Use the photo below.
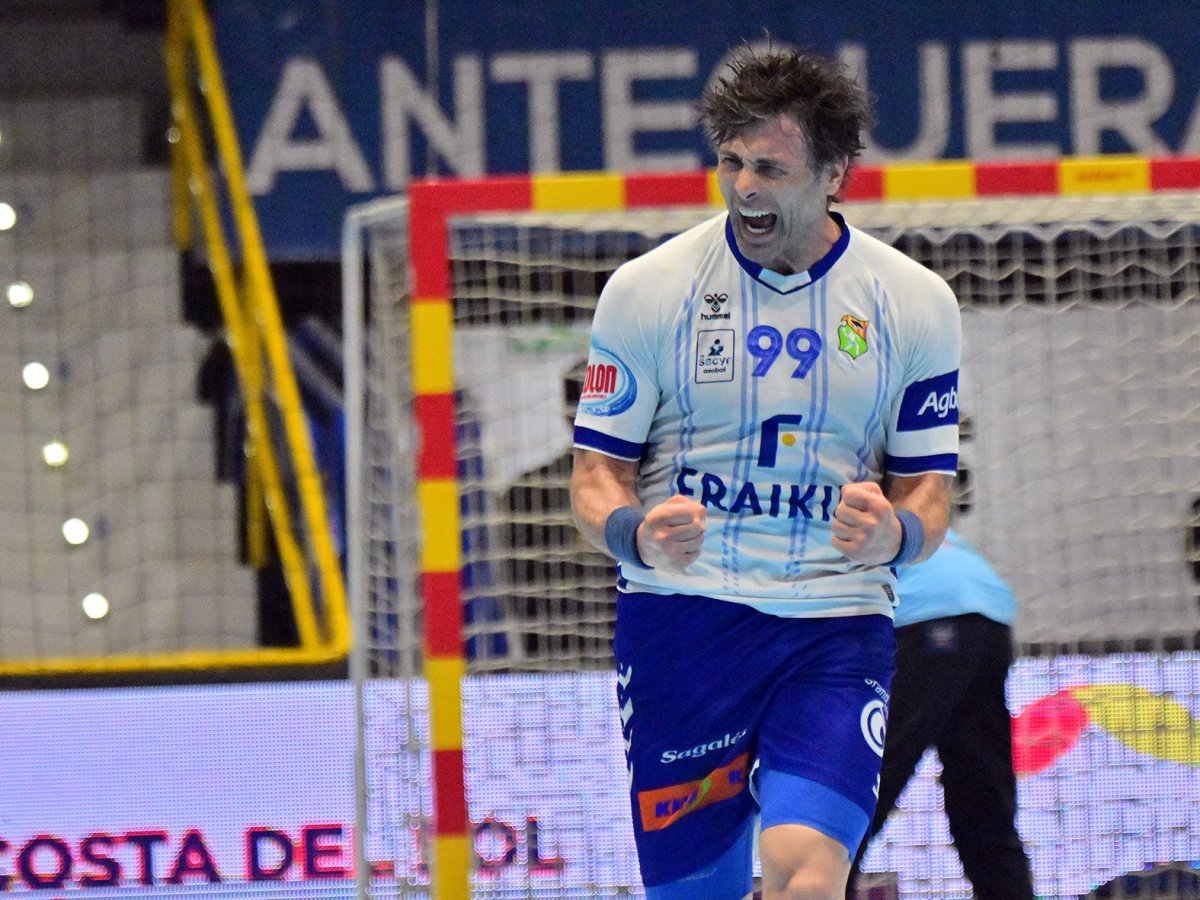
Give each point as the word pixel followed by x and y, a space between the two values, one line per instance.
pixel 759 395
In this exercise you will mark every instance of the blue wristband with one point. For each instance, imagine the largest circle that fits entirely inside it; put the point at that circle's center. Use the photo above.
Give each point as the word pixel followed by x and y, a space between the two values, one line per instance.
pixel 620 535
pixel 912 538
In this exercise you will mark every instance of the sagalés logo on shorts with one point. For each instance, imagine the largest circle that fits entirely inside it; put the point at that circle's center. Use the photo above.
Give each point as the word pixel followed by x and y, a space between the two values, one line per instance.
pixel 665 806
pixel 609 387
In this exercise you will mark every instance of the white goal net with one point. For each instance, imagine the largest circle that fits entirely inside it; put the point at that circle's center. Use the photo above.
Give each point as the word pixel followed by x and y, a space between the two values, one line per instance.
pixel 1079 477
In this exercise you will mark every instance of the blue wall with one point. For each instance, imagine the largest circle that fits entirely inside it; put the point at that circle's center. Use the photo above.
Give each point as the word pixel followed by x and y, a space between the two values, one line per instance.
pixel 337 101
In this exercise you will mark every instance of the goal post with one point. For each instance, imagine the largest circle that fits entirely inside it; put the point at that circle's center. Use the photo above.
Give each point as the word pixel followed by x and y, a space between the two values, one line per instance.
pixel 467 306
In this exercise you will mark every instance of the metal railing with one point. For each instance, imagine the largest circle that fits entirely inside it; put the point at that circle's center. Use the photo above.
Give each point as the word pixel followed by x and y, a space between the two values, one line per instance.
pixel 284 488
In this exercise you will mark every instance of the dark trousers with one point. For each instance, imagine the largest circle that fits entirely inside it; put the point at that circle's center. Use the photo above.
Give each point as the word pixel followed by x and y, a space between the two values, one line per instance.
pixel 948 693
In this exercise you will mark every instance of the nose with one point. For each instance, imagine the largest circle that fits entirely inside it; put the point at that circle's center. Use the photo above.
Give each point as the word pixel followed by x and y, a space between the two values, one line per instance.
pixel 745 184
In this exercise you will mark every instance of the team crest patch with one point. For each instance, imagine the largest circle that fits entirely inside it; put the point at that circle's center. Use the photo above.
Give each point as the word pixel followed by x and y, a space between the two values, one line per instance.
pixel 714 355
pixel 852 336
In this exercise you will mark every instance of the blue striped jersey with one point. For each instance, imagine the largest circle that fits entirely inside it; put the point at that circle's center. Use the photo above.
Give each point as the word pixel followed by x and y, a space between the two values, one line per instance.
pixel 760 395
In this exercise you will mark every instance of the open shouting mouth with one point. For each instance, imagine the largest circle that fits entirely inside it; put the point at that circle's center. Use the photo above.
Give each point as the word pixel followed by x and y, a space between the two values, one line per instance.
pixel 758 223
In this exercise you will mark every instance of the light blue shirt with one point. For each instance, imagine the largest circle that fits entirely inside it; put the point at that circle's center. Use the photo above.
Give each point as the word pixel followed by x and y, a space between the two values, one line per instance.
pixel 954 581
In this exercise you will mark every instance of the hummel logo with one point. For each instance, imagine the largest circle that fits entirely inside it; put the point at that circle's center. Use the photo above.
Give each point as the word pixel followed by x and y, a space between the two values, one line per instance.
pixel 624 673
pixel 714 302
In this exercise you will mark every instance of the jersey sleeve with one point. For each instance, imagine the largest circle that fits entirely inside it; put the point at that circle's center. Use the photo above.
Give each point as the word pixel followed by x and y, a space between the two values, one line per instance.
pixel 923 433
pixel 620 391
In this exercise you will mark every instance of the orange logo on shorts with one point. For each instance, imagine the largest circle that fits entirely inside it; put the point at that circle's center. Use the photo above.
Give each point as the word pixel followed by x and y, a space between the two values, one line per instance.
pixel 665 806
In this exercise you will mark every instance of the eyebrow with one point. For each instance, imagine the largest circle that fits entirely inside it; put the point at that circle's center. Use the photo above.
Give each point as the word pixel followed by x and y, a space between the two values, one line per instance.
pixel 754 160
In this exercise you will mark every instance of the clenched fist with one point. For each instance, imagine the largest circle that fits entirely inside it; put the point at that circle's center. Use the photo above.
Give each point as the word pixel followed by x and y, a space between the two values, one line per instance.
pixel 865 527
pixel 671 536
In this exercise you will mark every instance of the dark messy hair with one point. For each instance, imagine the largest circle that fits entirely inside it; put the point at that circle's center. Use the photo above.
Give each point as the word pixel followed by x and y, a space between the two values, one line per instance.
pixel 816 91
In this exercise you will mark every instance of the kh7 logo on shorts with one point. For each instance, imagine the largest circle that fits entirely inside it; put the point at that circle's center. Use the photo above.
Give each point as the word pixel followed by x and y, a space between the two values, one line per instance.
pixel 666 806
pixel 930 403
pixel 609 387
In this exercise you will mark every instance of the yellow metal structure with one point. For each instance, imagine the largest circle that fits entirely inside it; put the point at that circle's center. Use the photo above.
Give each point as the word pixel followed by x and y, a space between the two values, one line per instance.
pixel 256 338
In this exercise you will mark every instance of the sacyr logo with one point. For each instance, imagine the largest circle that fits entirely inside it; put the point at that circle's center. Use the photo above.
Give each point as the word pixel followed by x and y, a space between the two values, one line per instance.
pixel 769 438
pixel 609 387
pixel 852 336
pixel 714 355
pixel 873 722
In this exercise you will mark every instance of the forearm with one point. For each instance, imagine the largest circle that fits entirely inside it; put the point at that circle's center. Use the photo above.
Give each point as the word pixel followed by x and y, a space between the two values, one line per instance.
pixel 599 485
pixel 928 498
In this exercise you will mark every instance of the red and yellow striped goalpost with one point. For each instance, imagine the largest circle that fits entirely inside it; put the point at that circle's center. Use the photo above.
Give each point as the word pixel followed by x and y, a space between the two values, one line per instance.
pixel 433 203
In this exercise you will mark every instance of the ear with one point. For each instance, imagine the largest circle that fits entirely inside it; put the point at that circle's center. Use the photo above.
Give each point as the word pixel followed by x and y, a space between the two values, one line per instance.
pixel 835 174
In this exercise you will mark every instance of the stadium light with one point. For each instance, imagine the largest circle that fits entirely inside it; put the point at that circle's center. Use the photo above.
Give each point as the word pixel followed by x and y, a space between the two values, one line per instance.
pixel 20 294
pixel 35 375
pixel 75 532
pixel 95 605
pixel 55 453
pixel 8 216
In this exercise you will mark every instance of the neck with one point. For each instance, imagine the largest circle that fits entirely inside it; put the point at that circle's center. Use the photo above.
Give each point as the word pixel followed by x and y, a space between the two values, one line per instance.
pixel 822 242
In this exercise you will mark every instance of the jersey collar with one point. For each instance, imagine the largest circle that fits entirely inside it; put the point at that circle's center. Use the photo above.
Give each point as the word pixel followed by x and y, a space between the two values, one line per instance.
pixel 786 284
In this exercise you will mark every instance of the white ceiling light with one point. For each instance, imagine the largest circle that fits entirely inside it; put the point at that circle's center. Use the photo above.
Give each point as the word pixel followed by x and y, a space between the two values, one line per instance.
pixel 20 294
pixel 55 453
pixel 75 531
pixel 95 605
pixel 35 375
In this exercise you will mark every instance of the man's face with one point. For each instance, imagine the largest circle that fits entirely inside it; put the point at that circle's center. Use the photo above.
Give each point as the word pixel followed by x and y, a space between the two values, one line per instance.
pixel 777 203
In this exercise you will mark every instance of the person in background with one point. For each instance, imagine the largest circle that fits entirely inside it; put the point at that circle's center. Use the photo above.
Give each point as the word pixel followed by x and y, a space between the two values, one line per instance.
pixel 768 425
pixel 953 653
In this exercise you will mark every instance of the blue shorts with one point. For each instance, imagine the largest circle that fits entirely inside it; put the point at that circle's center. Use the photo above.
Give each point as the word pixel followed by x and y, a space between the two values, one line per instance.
pixel 708 688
